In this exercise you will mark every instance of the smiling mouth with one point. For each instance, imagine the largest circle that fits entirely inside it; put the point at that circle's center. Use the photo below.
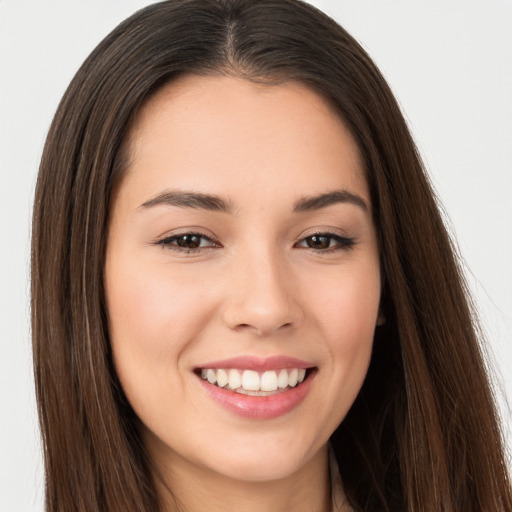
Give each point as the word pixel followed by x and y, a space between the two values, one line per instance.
pixel 254 383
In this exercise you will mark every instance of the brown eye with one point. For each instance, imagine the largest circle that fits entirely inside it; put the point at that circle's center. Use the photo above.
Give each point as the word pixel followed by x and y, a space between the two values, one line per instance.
pixel 326 242
pixel 318 242
pixel 188 241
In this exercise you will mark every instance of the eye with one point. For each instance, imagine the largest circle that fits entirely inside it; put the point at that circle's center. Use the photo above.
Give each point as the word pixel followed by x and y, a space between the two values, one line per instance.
pixel 326 242
pixel 187 242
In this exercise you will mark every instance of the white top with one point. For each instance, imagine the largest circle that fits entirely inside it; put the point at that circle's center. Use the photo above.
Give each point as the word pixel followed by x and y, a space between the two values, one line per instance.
pixel 339 499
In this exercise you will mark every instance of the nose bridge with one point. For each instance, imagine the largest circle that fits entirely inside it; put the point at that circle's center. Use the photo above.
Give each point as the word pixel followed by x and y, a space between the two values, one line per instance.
pixel 261 298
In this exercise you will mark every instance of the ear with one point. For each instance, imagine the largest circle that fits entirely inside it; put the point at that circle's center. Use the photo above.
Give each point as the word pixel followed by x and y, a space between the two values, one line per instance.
pixel 381 318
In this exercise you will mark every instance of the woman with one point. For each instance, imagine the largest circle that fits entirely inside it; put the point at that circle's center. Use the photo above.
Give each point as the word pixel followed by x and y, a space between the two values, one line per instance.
pixel 248 276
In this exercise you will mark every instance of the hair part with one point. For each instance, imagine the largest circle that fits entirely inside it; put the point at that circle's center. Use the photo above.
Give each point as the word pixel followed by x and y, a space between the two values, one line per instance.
pixel 423 433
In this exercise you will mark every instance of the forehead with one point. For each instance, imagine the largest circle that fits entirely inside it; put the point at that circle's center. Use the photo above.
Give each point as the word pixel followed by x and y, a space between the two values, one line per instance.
pixel 232 130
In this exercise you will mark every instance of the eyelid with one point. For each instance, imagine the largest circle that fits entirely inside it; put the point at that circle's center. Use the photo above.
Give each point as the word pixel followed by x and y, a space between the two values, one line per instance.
pixel 166 240
pixel 344 241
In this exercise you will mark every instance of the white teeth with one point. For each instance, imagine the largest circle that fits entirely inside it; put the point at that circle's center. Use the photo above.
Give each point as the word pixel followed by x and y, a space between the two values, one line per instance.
pixel 292 377
pixel 222 378
pixel 235 379
pixel 269 381
pixel 282 379
pixel 252 381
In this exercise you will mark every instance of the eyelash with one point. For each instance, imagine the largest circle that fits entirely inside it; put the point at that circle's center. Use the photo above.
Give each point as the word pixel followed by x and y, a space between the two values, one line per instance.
pixel 171 242
pixel 342 242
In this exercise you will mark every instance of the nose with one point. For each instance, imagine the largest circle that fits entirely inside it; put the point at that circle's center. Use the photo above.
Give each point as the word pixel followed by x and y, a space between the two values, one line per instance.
pixel 262 296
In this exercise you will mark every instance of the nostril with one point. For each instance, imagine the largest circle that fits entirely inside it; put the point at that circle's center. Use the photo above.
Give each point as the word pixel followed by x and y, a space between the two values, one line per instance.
pixel 261 329
pixel 262 314
pixel 241 327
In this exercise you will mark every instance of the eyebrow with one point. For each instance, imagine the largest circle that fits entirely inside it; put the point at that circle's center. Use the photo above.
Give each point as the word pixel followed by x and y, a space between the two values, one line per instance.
pixel 216 203
pixel 189 200
pixel 320 201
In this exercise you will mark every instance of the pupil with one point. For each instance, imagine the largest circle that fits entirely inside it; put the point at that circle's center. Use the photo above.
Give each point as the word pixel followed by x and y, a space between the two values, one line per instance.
pixel 189 241
pixel 318 242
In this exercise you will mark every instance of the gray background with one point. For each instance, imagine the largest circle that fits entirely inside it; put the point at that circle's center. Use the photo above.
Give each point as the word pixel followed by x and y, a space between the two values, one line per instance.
pixel 450 65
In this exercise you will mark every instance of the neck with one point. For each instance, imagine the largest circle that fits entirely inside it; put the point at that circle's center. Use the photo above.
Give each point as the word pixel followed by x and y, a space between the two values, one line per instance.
pixel 191 489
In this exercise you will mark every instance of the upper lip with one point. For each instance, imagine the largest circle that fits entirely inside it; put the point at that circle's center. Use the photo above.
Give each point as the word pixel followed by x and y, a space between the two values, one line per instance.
pixel 258 363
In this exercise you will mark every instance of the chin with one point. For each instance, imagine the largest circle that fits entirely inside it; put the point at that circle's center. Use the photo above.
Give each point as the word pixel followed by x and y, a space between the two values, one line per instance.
pixel 260 469
pixel 263 459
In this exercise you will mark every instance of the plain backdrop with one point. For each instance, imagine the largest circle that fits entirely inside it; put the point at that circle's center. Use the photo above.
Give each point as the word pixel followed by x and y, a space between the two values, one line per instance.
pixel 450 65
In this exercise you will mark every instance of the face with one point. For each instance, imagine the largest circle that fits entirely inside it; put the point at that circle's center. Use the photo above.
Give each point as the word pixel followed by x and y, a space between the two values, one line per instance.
pixel 242 276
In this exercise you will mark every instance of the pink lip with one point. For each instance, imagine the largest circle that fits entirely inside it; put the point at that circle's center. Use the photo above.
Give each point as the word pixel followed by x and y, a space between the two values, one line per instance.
pixel 258 363
pixel 259 407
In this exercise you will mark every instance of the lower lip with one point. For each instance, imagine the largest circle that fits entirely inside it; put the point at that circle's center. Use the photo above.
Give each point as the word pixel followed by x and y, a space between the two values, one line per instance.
pixel 259 407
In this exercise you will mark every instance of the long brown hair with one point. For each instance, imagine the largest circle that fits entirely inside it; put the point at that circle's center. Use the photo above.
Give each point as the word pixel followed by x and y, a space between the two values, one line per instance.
pixel 423 433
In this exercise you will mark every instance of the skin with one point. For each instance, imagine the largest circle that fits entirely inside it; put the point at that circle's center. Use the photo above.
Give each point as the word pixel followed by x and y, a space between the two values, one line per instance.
pixel 254 287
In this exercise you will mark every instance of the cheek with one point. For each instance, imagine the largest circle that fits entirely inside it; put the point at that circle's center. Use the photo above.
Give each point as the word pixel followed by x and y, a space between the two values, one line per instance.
pixel 348 318
pixel 148 308
pixel 153 316
pixel 153 319
pixel 348 307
